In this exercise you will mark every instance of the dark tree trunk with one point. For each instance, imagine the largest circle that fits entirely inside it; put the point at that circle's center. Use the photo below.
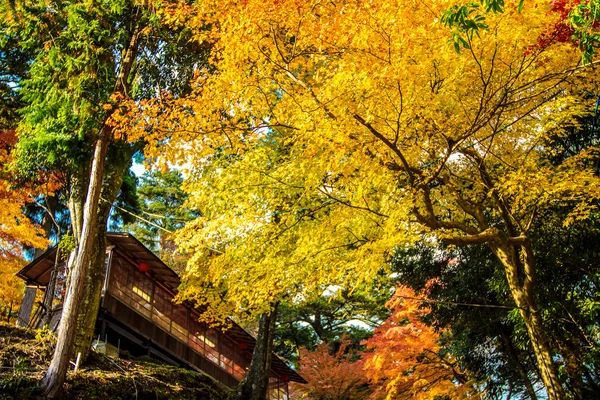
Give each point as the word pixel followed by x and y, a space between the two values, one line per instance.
pixel 53 380
pixel 318 326
pixel 574 367
pixel 9 313
pixel 256 384
pixel 514 360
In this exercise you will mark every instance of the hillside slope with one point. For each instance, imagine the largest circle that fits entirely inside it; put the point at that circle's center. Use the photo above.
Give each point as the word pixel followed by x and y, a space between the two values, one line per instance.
pixel 25 354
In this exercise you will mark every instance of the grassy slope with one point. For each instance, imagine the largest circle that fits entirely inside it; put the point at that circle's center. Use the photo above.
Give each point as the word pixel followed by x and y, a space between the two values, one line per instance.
pixel 24 358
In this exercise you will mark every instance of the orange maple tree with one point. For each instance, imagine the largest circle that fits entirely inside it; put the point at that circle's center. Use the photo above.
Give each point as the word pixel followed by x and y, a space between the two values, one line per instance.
pixel 405 359
pixel 330 376
pixel 16 230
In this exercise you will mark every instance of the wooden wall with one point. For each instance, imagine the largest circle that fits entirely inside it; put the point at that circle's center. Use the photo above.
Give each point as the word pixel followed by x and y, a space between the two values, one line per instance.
pixel 145 306
pixel 158 336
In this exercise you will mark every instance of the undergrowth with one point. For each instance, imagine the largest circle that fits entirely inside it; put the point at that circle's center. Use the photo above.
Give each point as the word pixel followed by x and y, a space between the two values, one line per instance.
pixel 25 355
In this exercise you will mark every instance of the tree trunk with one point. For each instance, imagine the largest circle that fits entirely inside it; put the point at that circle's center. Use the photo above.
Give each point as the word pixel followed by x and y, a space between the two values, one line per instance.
pixel 574 370
pixel 90 303
pixel 514 359
pixel 118 161
pixel 256 384
pixel 54 378
pixel 543 354
pixel 318 326
pixel 84 229
pixel 76 202
pixel 522 292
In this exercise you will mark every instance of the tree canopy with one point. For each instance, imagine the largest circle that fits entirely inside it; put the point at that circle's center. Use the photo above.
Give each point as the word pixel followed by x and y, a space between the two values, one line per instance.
pixel 342 130
pixel 325 147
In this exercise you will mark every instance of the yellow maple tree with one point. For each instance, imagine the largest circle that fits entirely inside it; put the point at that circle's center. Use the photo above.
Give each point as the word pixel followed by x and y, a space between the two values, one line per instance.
pixel 386 135
pixel 16 231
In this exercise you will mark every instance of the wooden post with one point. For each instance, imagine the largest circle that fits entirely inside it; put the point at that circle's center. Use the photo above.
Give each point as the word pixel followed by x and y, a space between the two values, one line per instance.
pixel 109 257
pixel 77 362
pixel 9 313
pixel 103 327
pixel 26 306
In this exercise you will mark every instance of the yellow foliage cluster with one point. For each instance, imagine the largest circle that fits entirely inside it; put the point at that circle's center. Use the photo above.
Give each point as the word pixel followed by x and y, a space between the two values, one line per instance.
pixel 16 231
pixel 323 134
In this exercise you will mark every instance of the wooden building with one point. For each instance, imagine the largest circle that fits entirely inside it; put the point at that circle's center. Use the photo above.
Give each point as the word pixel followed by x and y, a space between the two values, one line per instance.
pixel 137 314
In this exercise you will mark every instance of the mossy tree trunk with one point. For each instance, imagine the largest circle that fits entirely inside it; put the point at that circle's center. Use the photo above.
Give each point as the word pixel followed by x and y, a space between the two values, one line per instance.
pixel 54 378
pixel 118 162
pixel 519 266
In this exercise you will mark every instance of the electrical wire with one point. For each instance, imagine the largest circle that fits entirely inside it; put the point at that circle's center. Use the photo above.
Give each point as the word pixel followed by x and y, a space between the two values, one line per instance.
pixel 137 216
pixel 457 304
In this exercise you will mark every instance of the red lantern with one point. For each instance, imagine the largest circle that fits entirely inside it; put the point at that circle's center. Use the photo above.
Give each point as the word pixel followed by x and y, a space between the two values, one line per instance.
pixel 243 345
pixel 285 378
pixel 143 267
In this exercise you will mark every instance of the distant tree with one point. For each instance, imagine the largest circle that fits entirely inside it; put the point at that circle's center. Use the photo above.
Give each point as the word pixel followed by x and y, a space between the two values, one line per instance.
pixel 161 208
pixel 405 358
pixel 336 375
pixel 127 198
pixel 335 315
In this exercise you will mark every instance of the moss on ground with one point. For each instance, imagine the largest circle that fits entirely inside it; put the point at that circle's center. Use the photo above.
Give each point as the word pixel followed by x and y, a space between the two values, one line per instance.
pixel 25 355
